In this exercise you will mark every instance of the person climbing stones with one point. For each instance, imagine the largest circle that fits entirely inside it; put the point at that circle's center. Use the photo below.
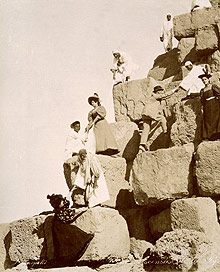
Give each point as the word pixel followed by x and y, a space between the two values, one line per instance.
pixel 166 35
pixel 123 67
pixel 104 138
pixel 90 178
pixel 153 111
pixel 70 242
pixel 191 83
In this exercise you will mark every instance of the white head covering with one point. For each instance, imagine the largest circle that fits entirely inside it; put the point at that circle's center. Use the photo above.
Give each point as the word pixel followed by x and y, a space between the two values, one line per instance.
pixel 187 63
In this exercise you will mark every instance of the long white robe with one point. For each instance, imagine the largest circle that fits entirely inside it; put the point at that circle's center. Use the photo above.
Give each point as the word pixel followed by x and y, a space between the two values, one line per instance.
pixel 167 34
pixel 86 172
pixel 191 83
pixel 198 4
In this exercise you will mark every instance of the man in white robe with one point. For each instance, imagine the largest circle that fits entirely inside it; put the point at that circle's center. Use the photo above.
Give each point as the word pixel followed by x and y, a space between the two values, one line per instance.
pixel 75 141
pixel 123 67
pixel 199 4
pixel 166 35
pixel 191 83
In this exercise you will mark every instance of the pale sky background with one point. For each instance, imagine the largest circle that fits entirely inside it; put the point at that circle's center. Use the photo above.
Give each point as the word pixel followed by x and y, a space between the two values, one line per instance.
pixel 53 55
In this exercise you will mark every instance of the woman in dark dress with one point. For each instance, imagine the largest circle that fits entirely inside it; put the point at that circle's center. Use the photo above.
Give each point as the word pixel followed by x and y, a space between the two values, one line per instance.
pixel 70 242
pixel 210 95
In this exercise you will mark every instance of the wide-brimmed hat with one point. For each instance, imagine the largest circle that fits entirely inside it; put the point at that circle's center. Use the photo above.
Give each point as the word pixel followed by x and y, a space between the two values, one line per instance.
pixel 94 97
pixel 204 75
pixel 157 88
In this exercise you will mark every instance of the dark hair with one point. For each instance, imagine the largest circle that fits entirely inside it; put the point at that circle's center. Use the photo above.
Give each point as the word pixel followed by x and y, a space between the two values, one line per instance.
pixel 55 200
pixel 74 123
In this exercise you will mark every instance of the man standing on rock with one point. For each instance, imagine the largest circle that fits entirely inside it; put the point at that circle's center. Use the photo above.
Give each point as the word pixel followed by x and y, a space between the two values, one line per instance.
pixel 166 35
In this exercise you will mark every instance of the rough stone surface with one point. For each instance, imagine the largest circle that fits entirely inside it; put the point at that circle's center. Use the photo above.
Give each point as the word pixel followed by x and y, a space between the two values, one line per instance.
pixel 165 66
pixel 139 247
pixel 4 236
pixel 206 39
pixel 127 138
pixel 160 223
pixel 111 238
pixel 27 239
pixel 185 25
pixel 188 125
pixel 184 250
pixel 196 214
pixel 186 50
pixel 162 175
pixel 66 269
pixel 208 168
pixel 214 61
pixel 114 171
pixel 129 98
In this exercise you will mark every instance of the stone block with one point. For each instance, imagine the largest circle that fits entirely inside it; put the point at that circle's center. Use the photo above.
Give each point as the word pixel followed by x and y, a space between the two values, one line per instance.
pixel 186 50
pixel 139 247
pixel 4 244
pixel 206 40
pixel 214 61
pixel 188 125
pixel 111 236
pixel 127 138
pixel 163 175
pixel 182 250
pixel 205 17
pixel 27 240
pixel 129 98
pixel 160 223
pixel 208 168
pixel 182 26
pixel 196 214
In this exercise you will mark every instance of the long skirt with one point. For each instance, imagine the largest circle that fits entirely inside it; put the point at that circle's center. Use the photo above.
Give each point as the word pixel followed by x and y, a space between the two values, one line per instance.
pixel 211 119
pixel 105 140
pixel 70 242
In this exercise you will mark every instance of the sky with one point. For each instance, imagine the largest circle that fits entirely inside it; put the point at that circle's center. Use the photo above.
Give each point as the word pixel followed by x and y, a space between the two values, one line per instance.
pixel 53 55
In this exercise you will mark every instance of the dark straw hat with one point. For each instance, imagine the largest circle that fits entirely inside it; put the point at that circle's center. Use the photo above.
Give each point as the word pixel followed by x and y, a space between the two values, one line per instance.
pixel 204 75
pixel 94 97
pixel 157 88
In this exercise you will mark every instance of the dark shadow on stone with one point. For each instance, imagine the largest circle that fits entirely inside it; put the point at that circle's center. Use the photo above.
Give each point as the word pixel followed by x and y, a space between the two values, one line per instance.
pixel 129 165
pixel 132 146
pixel 125 200
pixel 7 242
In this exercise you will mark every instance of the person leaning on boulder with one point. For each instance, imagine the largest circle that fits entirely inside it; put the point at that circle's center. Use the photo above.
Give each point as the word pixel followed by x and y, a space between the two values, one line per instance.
pixel 154 111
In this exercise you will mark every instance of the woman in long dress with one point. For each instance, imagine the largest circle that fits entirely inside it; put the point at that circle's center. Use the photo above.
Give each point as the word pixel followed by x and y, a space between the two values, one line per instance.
pixel 105 140
pixel 210 95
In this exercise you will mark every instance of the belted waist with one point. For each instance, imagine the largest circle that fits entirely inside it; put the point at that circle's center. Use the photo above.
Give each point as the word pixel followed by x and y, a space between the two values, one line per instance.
pixel 210 98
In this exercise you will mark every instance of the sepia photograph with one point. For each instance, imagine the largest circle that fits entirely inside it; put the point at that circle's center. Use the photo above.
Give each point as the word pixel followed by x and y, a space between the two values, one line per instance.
pixel 110 135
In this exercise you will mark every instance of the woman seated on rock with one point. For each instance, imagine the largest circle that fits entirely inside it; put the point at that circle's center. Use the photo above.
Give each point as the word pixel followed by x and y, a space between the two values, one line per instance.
pixel 210 95
pixel 153 111
pixel 69 241
pixel 105 140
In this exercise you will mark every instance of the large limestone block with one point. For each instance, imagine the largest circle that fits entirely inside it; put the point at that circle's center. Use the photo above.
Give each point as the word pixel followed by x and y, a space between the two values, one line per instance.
pixel 127 138
pixel 129 98
pixel 206 39
pixel 182 26
pixel 183 250
pixel 114 170
pixel 139 247
pixel 165 66
pixel 196 214
pixel 160 223
pixel 205 17
pixel 186 50
pixel 66 269
pixel 208 168
pixel 188 125
pixel 4 237
pixel 27 240
pixel 215 3
pixel 162 175
pixel 111 237
pixel 214 61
